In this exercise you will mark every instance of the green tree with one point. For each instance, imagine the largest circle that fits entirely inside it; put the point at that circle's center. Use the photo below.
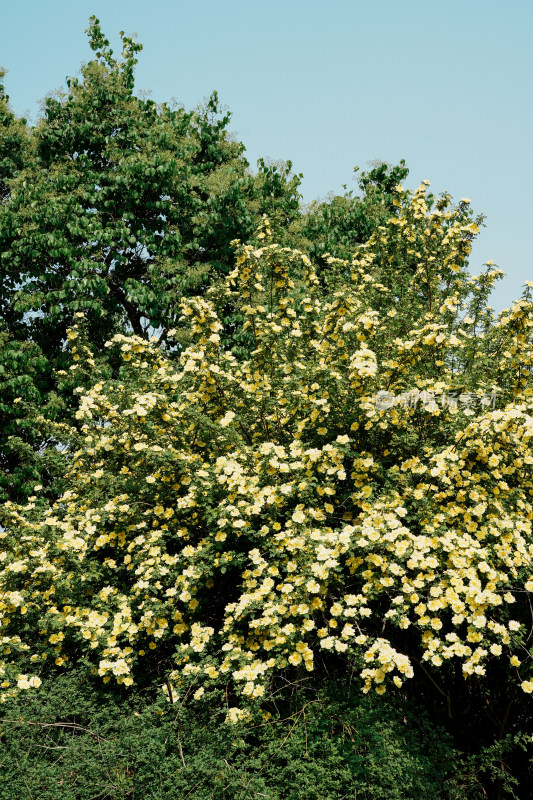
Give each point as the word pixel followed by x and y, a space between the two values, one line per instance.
pixel 120 205
pixel 339 225
pixel 13 137
pixel 117 207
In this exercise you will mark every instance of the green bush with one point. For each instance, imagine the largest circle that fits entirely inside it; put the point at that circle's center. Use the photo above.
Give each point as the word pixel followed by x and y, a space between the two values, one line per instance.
pixel 76 740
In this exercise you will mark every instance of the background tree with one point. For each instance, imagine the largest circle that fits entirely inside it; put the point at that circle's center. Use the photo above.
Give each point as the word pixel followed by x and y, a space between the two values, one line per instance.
pixel 338 225
pixel 117 207
pixel 123 206
pixel 13 138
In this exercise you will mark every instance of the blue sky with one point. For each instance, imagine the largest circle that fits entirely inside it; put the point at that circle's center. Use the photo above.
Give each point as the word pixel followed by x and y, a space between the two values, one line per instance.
pixel 330 85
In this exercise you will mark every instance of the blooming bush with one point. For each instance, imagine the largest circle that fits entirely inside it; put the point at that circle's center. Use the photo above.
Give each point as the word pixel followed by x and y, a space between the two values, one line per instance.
pixel 230 518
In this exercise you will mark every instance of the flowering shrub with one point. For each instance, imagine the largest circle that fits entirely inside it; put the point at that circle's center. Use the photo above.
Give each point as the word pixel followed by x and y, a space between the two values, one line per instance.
pixel 237 518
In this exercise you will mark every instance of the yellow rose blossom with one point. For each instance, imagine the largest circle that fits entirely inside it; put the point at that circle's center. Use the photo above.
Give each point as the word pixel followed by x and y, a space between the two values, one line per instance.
pixel 239 515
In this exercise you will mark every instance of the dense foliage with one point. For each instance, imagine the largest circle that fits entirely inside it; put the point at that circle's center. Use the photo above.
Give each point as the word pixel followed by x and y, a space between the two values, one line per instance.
pixel 117 207
pixel 326 744
pixel 319 467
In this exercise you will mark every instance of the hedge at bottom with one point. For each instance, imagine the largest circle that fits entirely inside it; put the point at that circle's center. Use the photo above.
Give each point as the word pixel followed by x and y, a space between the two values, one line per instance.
pixel 75 740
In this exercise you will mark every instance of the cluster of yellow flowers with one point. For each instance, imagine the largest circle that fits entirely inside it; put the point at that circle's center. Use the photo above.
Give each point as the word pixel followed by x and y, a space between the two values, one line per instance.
pixel 245 516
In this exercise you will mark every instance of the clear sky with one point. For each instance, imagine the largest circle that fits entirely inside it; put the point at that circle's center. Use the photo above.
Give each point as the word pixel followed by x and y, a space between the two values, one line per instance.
pixel 330 84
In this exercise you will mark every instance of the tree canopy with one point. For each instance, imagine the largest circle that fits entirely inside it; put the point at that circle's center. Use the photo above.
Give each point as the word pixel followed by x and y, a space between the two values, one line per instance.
pixel 117 207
